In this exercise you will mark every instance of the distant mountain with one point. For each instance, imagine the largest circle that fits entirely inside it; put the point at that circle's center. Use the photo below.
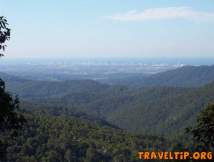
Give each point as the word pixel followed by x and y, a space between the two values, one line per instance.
pixel 159 110
pixel 187 76
pixel 82 90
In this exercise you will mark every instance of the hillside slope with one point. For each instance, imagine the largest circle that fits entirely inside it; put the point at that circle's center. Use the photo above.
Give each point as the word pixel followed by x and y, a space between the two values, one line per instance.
pixel 147 110
pixel 187 76
pixel 46 90
pixel 65 139
pixel 162 111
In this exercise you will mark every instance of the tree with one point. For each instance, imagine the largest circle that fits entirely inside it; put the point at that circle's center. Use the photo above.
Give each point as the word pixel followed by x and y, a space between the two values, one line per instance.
pixel 203 131
pixel 9 117
pixel 4 33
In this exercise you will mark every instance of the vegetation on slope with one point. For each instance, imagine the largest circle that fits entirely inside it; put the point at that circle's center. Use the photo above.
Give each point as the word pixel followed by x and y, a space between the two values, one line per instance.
pixel 187 76
pixel 48 138
pixel 164 109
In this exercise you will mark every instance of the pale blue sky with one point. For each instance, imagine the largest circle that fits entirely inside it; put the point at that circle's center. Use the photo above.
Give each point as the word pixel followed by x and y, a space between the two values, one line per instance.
pixel 110 28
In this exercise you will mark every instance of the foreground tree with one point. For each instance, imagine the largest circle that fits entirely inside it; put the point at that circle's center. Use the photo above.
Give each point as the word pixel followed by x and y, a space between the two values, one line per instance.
pixel 4 33
pixel 203 131
pixel 9 117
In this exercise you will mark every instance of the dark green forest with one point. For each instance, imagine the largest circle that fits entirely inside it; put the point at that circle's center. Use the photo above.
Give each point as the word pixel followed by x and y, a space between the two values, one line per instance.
pixel 60 138
pixel 163 108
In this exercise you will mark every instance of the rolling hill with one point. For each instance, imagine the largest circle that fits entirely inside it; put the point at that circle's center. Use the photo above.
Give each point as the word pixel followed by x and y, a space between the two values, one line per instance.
pixel 187 76
pixel 149 109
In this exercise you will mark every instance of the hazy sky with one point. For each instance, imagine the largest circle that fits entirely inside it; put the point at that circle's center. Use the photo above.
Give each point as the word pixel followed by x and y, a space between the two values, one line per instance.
pixel 108 28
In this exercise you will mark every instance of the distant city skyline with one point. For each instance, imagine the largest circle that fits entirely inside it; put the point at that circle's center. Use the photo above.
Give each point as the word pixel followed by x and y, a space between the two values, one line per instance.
pixel 110 28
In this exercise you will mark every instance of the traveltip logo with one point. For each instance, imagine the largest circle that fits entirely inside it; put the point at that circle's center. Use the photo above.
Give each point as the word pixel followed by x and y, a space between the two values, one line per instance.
pixel 175 155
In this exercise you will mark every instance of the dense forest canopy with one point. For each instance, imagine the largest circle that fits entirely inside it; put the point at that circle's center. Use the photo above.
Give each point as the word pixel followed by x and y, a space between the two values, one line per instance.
pixel 203 130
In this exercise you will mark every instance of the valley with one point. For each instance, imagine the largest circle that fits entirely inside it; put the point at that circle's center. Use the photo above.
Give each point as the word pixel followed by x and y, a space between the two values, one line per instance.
pixel 161 104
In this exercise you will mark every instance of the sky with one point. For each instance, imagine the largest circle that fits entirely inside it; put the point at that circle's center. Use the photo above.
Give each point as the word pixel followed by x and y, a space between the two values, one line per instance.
pixel 110 28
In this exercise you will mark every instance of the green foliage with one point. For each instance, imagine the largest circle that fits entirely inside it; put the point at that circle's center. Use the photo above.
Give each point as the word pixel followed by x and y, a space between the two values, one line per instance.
pixel 48 138
pixel 4 33
pixel 9 117
pixel 203 131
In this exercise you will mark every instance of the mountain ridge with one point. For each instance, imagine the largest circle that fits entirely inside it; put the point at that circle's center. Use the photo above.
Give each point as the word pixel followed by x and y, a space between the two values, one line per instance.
pixel 186 76
pixel 162 108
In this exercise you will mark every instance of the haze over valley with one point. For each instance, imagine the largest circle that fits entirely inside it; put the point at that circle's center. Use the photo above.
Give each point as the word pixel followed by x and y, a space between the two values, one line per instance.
pixel 162 96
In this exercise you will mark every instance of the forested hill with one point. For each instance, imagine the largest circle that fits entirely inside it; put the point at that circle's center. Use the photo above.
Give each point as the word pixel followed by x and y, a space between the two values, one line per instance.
pixel 64 139
pixel 29 89
pixel 55 135
pixel 187 76
pixel 167 110
pixel 159 110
